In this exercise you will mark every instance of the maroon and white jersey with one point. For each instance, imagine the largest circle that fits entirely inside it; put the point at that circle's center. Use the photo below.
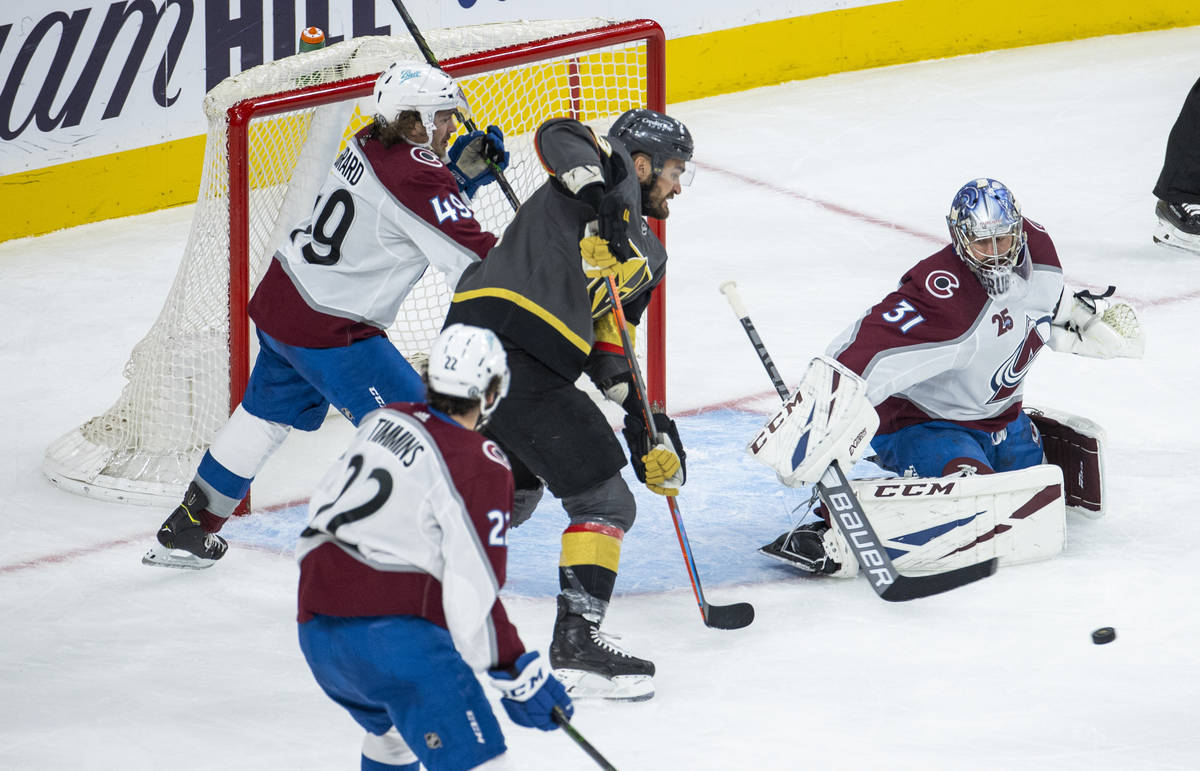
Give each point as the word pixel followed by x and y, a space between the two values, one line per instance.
pixel 413 520
pixel 940 348
pixel 382 217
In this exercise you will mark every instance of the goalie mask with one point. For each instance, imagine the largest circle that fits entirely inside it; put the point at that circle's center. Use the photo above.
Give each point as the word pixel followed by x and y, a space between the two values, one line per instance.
pixel 659 136
pixel 988 234
pixel 407 86
pixel 464 362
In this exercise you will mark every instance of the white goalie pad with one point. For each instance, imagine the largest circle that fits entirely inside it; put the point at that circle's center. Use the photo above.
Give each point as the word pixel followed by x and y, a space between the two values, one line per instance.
pixel 931 525
pixel 1076 445
pixel 826 419
pixel 1098 328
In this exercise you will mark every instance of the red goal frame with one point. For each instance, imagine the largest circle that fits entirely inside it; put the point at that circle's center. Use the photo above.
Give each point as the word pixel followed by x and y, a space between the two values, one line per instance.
pixel 242 113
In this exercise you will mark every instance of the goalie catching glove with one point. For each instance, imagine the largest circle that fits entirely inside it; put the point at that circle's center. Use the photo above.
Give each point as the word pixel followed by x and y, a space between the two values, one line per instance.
pixel 606 242
pixel 531 693
pixel 661 467
pixel 475 158
pixel 1089 324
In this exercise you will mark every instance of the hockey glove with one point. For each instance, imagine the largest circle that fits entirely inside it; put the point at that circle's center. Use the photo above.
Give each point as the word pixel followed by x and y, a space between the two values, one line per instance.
pixel 609 244
pixel 476 157
pixel 662 468
pixel 531 693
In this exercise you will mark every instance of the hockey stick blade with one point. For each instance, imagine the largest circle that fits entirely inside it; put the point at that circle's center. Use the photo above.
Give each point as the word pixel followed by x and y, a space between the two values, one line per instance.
pixel 914 587
pixel 735 616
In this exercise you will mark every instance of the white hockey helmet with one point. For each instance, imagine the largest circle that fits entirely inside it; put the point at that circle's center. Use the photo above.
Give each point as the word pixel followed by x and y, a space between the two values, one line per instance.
pixel 463 362
pixel 417 86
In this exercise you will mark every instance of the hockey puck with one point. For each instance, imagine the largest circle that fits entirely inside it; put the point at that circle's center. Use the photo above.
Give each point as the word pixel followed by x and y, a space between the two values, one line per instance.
pixel 1103 635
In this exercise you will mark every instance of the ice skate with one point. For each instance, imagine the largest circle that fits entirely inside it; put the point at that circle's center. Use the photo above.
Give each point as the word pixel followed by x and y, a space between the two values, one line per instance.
pixel 182 540
pixel 1178 225
pixel 590 666
pixel 803 547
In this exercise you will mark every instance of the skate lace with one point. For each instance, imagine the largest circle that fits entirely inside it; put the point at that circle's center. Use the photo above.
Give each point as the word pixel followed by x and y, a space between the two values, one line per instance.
pixel 1191 209
pixel 604 640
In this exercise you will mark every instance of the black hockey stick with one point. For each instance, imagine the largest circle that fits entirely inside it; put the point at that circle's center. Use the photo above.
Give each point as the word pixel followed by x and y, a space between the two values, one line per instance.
pixel 560 717
pixel 846 510
pixel 469 124
pixel 734 616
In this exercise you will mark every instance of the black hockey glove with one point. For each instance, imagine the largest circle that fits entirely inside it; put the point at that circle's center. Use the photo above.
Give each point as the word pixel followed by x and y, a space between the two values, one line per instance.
pixel 610 244
pixel 662 468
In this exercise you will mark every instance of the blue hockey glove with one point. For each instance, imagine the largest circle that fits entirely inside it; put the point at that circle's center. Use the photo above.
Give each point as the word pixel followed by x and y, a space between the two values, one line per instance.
pixel 472 157
pixel 531 696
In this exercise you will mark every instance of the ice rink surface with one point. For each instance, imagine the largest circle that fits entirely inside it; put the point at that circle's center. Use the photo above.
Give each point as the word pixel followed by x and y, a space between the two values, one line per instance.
pixel 815 196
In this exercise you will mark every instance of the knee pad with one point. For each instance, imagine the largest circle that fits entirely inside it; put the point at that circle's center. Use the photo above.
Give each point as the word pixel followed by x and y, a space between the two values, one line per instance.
pixel 525 500
pixel 609 502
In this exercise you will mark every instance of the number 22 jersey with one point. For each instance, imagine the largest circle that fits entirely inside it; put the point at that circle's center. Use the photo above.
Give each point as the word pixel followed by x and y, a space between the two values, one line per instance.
pixel 413 520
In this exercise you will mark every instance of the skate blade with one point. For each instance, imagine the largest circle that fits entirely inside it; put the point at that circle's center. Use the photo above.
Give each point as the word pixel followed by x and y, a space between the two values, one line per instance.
pixel 787 558
pixel 1166 235
pixel 581 684
pixel 160 556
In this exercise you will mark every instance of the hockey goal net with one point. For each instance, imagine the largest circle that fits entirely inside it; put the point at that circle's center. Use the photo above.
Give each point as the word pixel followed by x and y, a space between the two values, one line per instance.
pixel 273 131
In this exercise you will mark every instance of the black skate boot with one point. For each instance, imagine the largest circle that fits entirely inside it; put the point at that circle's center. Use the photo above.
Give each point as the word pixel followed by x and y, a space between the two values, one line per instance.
pixel 804 546
pixel 590 666
pixel 183 532
pixel 1178 225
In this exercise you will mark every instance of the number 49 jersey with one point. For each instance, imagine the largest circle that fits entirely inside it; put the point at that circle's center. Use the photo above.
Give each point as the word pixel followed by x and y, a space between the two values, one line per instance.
pixel 381 218
pixel 413 520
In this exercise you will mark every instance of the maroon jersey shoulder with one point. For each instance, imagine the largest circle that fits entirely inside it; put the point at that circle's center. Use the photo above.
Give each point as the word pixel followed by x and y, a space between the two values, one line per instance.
pixel 937 300
pixel 419 180
pixel 1041 247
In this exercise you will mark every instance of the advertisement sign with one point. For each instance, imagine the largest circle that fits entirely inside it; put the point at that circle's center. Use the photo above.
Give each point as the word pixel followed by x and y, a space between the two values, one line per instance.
pixel 83 79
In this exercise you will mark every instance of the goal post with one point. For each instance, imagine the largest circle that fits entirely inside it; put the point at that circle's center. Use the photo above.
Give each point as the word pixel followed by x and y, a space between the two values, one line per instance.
pixel 273 131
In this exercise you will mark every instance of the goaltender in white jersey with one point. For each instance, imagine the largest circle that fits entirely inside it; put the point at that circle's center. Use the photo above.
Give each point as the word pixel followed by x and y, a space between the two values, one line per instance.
pixel 944 359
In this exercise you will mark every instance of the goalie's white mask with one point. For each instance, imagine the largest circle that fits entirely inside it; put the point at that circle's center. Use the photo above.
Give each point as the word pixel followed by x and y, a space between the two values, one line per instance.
pixel 988 234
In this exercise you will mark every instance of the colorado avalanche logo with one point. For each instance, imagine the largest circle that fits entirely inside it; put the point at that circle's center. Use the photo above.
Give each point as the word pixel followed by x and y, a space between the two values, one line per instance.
pixel 492 452
pixel 425 156
pixel 941 284
pixel 1007 379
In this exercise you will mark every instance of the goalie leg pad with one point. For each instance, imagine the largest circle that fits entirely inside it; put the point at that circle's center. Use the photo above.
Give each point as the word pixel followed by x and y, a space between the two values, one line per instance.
pixel 930 525
pixel 1076 445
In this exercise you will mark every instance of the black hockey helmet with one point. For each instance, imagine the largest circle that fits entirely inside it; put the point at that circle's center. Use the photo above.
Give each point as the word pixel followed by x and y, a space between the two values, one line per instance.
pixel 657 135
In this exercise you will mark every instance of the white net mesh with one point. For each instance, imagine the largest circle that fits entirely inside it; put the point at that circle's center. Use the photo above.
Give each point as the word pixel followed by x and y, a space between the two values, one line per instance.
pixel 145 448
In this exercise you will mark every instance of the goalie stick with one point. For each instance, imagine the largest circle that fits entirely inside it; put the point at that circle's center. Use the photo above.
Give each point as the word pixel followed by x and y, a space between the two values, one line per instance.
pixel 467 123
pixel 846 510
pixel 734 616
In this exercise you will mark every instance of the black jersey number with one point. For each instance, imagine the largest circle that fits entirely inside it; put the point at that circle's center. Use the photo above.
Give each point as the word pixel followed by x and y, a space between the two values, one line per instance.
pixel 330 228
pixel 380 476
